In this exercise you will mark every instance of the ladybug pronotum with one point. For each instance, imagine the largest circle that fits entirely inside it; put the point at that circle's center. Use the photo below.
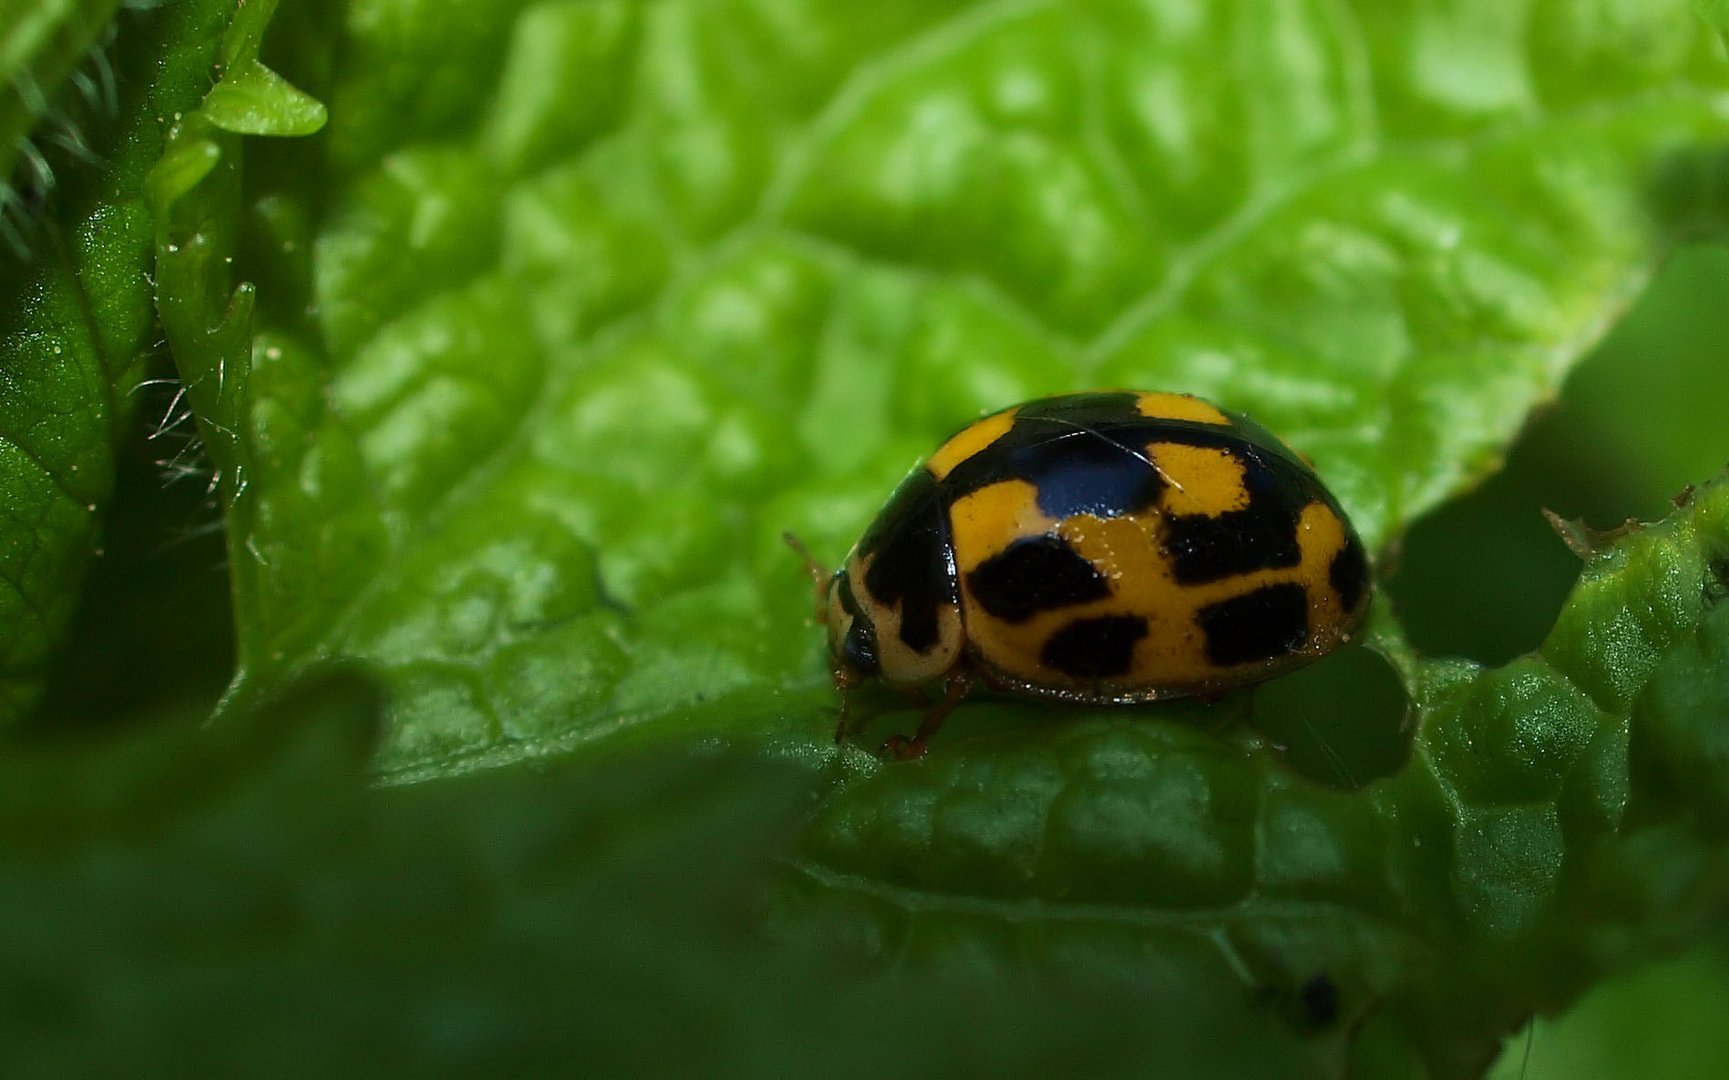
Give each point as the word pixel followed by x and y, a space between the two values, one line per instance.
pixel 1101 548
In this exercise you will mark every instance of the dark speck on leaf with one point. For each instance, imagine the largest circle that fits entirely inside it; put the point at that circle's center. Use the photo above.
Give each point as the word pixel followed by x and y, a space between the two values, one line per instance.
pixel 1320 1000
pixel 1717 587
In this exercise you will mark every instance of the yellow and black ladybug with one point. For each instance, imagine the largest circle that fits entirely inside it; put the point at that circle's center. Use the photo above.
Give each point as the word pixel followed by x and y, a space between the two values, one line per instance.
pixel 1102 548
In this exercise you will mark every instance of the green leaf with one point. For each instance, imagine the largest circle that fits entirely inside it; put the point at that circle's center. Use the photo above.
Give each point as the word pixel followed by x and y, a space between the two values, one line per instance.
pixel 512 398
pixel 1661 1021
pixel 564 915
pixel 525 428
pixel 253 100
pixel 578 917
pixel 75 317
pixel 1559 817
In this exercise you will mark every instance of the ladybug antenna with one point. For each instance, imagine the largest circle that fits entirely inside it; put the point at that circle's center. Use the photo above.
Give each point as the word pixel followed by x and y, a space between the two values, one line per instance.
pixel 818 575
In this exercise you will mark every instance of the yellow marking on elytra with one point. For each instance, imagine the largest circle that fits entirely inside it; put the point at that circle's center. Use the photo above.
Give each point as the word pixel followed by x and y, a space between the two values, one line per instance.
pixel 1173 652
pixel 1166 406
pixel 901 666
pixel 969 441
pixel 981 522
pixel 1204 479
pixel 1320 536
pixel 1128 551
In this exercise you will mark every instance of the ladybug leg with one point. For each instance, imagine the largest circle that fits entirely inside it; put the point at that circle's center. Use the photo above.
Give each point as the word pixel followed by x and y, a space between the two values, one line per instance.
pixel 901 748
pixel 819 576
pixel 844 723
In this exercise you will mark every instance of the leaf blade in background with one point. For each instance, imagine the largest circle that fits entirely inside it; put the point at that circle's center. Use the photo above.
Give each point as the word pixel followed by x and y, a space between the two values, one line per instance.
pixel 40 45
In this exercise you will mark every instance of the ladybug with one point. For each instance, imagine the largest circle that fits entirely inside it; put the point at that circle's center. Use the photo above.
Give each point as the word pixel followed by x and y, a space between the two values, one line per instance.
pixel 1100 548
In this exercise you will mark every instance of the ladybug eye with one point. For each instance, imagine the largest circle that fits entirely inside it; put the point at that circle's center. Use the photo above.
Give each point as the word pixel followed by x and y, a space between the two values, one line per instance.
pixel 857 646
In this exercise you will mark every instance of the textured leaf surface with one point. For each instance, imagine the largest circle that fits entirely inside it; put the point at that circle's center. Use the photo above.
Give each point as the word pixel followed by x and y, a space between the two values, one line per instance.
pixel 536 388
pixel 575 921
pixel 75 316
pixel 573 307
pixel 1512 858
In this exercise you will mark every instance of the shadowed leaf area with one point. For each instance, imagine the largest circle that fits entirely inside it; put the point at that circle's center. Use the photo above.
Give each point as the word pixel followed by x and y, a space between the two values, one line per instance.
pixel 578 918
pixel 515 335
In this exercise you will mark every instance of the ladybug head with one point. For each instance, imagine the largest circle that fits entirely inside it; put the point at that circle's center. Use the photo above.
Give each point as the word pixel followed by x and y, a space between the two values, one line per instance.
pixel 852 633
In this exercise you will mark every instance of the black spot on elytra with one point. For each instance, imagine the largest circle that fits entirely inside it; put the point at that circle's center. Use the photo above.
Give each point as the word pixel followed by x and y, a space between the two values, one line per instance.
pixel 1261 536
pixel 1083 454
pixel 909 559
pixel 1034 574
pixel 1087 454
pixel 1087 410
pixel 1203 549
pixel 1271 621
pixel 1349 572
pixel 859 647
pixel 1097 648
pixel 1094 474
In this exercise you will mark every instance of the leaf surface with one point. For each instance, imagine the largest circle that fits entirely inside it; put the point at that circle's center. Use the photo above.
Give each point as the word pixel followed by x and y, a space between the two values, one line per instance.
pixel 512 398
pixel 535 389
